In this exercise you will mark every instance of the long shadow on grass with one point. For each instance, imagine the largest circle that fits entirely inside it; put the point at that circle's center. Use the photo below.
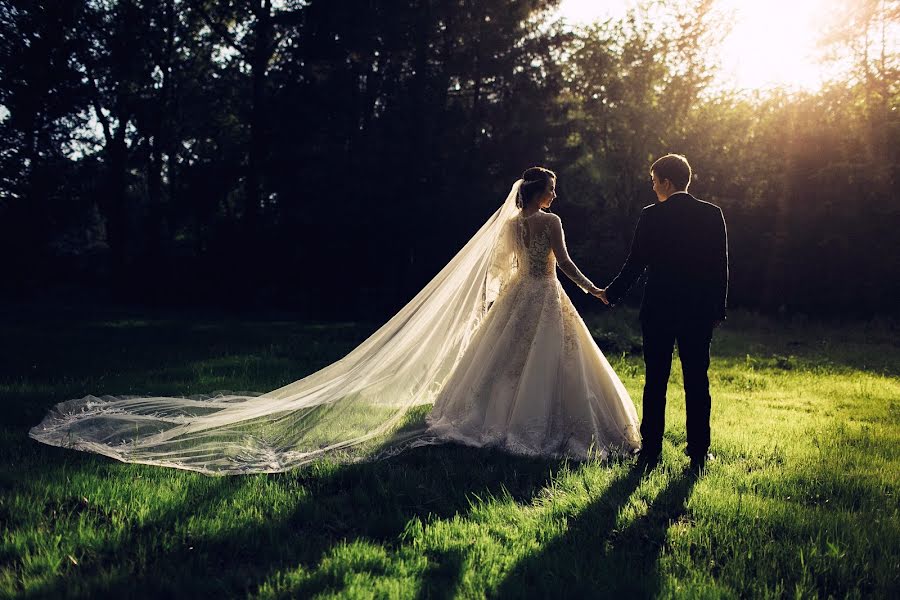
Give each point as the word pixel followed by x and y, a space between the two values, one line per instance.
pixel 367 505
pixel 213 543
pixel 593 559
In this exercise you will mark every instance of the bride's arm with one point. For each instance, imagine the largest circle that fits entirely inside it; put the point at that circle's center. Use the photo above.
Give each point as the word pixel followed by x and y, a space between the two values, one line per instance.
pixel 558 243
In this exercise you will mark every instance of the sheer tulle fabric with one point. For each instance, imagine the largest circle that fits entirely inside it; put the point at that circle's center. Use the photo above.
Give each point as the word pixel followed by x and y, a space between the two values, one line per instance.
pixel 361 406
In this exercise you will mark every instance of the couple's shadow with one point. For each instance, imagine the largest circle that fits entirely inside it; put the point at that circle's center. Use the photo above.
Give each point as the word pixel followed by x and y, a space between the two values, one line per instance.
pixel 602 553
pixel 373 505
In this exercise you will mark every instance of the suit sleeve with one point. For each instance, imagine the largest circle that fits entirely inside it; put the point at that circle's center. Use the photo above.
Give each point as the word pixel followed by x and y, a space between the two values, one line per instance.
pixel 721 254
pixel 635 264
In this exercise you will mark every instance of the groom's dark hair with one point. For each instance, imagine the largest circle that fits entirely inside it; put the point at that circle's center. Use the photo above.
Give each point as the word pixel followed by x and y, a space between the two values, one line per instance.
pixel 675 168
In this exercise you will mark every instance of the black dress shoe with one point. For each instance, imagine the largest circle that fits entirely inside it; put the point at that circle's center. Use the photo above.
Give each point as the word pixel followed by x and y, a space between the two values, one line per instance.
pixel 697 466
pixel 647 460
pixel 698 463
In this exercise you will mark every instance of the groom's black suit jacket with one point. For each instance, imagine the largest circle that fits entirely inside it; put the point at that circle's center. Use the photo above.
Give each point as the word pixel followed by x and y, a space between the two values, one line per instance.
pixel 682 245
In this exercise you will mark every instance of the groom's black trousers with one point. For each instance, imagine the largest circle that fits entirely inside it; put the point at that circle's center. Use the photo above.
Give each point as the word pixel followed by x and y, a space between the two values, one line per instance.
pixel 693 338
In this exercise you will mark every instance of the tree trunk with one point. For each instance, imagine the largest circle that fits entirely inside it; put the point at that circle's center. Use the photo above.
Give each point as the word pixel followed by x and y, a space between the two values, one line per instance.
pixel 114 204
pixel 259 62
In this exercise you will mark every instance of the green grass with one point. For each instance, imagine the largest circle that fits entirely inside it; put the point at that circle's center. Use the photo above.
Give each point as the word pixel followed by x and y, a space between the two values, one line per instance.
pixel 801 501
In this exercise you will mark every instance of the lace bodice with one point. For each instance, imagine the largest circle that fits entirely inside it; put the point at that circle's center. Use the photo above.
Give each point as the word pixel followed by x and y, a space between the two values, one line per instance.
pixel 542 247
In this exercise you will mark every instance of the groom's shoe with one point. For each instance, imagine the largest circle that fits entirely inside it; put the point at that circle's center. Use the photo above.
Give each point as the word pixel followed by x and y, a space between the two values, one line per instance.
pixel 648 460
pixel 698 463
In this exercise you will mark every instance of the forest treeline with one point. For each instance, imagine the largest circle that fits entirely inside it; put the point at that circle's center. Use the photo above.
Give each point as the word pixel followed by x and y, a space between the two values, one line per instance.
pixel 329 157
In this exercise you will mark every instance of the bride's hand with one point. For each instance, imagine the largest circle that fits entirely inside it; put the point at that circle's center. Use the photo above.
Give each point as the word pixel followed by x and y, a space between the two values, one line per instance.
pixel 600 294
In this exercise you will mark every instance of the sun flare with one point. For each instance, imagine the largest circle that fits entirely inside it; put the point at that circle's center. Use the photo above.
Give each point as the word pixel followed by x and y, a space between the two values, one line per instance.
pixel 772 43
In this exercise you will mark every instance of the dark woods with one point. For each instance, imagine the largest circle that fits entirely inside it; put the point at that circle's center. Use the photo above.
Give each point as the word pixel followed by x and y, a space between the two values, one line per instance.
pixel 330 157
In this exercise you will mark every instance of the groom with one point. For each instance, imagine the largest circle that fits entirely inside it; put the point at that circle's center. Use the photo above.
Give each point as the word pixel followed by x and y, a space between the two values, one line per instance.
pixel 682 245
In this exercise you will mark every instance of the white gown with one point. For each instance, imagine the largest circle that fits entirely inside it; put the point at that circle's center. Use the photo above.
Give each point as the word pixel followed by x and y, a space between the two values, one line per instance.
pixel 533 381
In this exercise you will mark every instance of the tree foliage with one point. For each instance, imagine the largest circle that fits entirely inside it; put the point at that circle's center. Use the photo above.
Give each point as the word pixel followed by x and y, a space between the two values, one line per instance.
pixel 270 153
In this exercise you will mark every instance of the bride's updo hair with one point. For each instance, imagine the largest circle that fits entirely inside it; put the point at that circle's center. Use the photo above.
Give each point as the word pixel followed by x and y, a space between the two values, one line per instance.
pixel 536 181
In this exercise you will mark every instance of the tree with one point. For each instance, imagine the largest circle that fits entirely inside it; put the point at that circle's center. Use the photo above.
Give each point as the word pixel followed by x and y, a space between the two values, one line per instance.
pixel 42 97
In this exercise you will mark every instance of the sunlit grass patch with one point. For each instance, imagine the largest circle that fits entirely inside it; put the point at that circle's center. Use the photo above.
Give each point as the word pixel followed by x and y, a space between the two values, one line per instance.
pixel 800 499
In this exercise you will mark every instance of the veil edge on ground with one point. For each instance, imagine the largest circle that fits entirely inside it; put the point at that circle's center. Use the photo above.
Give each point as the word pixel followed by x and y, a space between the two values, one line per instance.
pixel 367 404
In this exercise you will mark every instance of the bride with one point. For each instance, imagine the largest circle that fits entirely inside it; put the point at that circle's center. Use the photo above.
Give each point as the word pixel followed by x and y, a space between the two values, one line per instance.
pixel 492 344
pixel 533 381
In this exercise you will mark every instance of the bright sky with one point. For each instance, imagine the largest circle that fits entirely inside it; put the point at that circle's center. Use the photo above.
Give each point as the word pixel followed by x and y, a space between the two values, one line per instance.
pixel 772 41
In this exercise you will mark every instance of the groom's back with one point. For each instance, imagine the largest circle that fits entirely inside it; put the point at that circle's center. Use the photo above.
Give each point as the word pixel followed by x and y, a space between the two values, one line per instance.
pixel 685 258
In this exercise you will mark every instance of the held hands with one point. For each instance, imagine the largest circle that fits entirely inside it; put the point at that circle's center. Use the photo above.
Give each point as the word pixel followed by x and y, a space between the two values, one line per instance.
pixel 600 293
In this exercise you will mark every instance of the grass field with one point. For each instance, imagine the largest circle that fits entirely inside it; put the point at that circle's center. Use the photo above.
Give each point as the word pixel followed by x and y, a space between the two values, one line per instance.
pixel 801 499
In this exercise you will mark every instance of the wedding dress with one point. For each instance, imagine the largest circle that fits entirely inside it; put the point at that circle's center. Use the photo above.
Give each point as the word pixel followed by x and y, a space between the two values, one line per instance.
pixel 533 381
pixel 492 343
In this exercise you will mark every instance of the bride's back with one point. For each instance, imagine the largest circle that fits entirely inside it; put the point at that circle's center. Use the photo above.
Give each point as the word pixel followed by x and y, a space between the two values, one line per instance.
pixel 535 251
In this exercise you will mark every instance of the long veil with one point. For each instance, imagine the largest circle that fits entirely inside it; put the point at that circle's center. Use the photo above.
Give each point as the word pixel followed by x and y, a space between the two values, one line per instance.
pixel 369 403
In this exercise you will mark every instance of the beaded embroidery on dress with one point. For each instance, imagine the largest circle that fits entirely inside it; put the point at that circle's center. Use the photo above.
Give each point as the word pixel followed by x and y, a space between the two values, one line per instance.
pixel 533 381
